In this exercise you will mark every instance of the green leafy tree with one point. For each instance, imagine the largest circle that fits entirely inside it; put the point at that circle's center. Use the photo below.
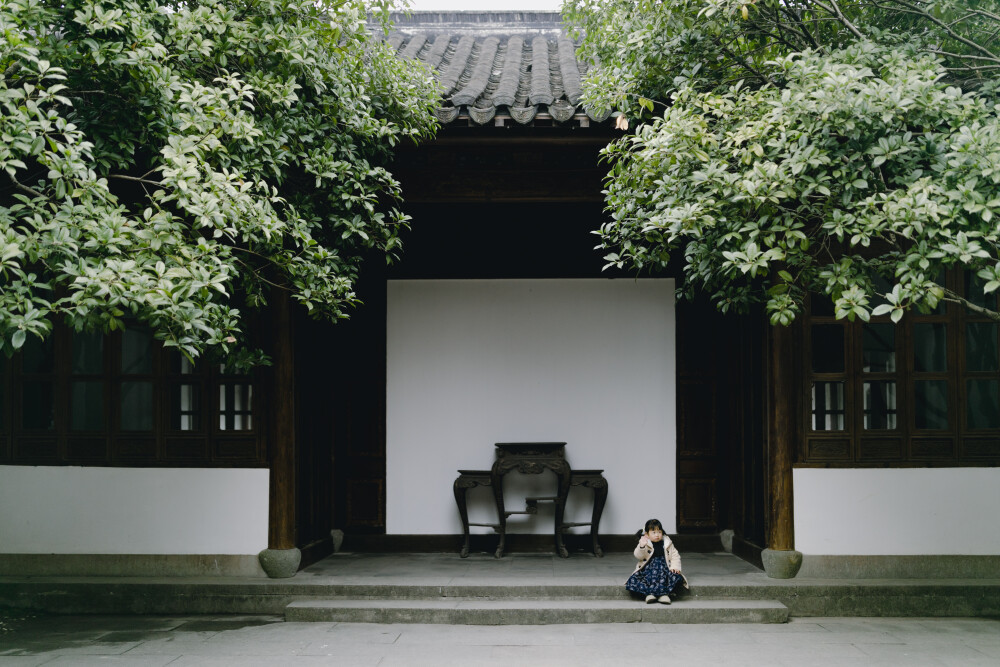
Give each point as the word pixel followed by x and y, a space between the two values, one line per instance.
pixel 787 147
pixel 173 162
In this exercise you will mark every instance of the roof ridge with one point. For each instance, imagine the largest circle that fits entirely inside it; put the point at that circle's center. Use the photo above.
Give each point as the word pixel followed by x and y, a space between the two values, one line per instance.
pixel 498 22
pixel 477 15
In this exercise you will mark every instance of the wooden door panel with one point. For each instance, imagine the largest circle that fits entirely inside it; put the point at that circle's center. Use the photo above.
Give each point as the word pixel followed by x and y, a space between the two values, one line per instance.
pixel 702 418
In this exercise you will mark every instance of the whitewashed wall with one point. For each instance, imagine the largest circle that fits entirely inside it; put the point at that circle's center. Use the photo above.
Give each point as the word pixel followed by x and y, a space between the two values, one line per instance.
pixel 71 510
pixel 903 511
pixel 475 362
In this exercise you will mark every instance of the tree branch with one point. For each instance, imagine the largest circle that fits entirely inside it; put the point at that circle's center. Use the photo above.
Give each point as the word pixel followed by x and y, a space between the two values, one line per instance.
pixel 140 179
pixel 25 188
pixel 744 62
pixel 804 29
pixel 834 9
pixel 258 274
pixel 952 297
pixel 951 33
pixel 971 68
pixel 12 70
pixel 983 12
pixel 959 20
pixel 783 28
pixel 967 56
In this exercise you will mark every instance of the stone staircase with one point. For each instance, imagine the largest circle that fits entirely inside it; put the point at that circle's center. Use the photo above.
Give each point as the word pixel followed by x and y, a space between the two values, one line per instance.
pixel 519 588
pixel 524 605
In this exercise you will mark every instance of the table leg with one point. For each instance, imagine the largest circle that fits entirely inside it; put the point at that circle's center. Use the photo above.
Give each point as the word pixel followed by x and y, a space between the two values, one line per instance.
pixel 496 481
pixel 461 490
pixel 600 496
pixel 563 473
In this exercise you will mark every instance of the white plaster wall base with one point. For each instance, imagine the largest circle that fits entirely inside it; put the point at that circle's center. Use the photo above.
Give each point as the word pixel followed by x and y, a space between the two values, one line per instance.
pixel 901 511
pixel 72 510
pixel 475 362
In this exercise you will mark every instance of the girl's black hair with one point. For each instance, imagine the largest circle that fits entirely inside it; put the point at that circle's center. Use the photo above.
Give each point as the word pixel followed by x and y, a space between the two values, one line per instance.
pixel 651 524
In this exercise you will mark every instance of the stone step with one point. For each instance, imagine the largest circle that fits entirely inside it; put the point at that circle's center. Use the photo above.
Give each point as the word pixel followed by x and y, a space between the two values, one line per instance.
pixel 176 595
pixel 480 611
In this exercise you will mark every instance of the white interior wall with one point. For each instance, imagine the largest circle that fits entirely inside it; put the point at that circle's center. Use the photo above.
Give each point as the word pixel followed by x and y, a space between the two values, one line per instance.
pixel 72 510
pixel 475 362
pixel 901 511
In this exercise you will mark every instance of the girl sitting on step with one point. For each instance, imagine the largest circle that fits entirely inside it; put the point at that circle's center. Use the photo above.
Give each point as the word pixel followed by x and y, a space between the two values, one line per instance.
pixel 659 570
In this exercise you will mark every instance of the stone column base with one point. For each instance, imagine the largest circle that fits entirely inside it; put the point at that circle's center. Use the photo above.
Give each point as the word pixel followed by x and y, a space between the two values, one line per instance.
pixel 781 564
pixel 337 536
pixel 280 563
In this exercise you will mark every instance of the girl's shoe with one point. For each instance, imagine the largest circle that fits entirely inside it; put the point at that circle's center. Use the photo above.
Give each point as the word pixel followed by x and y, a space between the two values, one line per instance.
pixel 665 599
pixel 650 599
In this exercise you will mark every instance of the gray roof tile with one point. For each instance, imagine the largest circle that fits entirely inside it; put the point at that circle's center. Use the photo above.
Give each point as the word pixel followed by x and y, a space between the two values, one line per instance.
pixel 434 56
pixel 456 60
pixel 541 74
pixel 570 71
pixel 512 64
pixel 481 72
pixel 510 72
pixel 414 46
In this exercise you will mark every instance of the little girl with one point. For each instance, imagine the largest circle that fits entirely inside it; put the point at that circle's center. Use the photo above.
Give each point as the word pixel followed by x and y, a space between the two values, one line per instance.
pixel 659 569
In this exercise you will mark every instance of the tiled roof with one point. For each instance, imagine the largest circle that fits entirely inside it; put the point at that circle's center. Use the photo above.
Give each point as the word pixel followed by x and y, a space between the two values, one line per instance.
pixel 497 66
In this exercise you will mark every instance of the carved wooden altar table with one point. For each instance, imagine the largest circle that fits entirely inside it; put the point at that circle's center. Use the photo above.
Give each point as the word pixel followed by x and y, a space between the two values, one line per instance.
pixel 532 458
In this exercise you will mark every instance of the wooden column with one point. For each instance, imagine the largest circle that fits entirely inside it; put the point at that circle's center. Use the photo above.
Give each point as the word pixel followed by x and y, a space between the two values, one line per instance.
pixel 281 440
pixel 781 443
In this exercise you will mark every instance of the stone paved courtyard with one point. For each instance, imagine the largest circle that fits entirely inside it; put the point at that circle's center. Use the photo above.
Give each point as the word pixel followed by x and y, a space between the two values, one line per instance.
pixel 245 641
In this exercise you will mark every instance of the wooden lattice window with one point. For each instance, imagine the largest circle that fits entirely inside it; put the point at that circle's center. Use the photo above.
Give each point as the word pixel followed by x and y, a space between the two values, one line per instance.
pixel 122 399
pixel 925 391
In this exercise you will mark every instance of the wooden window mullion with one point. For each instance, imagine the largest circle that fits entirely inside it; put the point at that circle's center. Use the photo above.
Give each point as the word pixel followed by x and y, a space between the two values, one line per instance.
pixel 854 398
pixel 904 371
